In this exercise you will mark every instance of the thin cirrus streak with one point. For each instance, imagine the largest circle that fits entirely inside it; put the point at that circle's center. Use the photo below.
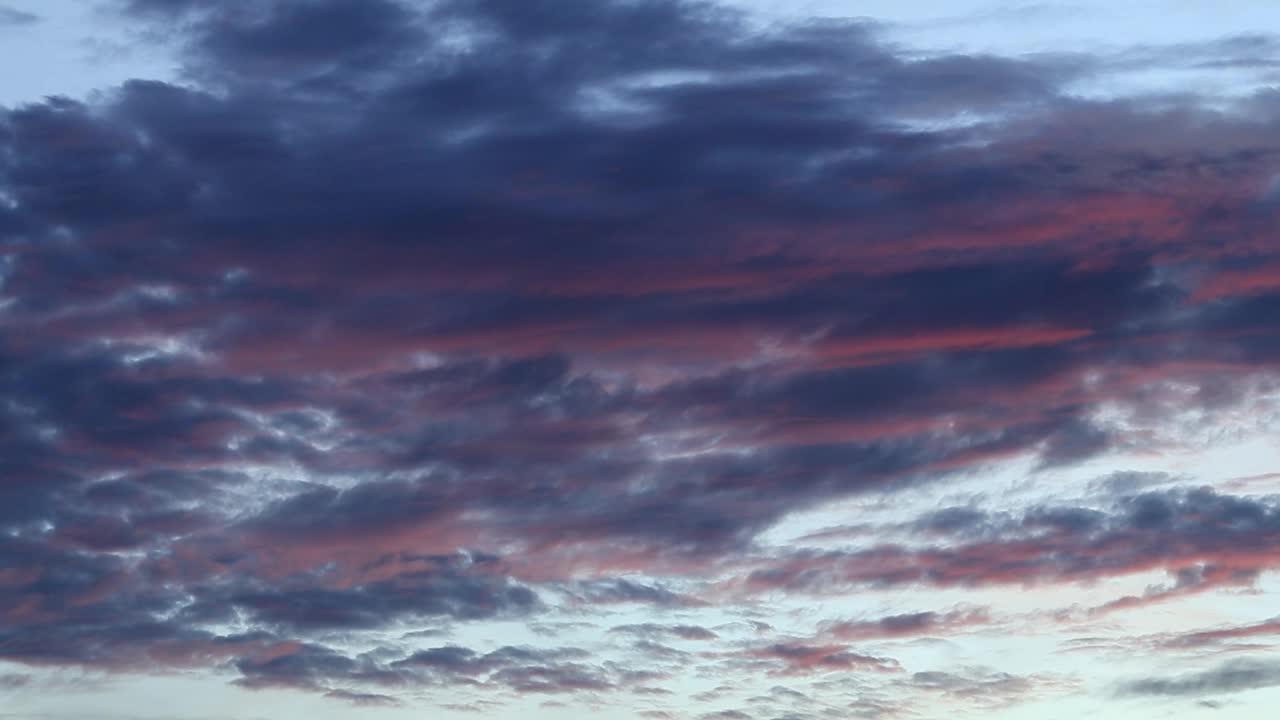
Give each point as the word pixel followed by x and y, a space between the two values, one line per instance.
pixel 637 358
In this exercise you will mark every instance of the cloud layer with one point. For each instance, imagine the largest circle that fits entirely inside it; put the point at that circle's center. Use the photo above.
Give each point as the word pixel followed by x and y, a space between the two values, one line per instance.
pixel 395 319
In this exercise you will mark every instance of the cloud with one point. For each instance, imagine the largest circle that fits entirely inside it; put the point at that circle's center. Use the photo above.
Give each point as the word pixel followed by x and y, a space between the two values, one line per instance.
pixel 626 591
pixel 11 17
pixel 523 670
pixel 1210 637
pixel 798 658
pixel 726 715
pixel 14 681
pixel 907 625
pixel 363 699
pixel 398 316
pixel 984 688
pixel 312 667
pixel 410 596
pixel 653 630
pixel 1204 538
pixel 1230 677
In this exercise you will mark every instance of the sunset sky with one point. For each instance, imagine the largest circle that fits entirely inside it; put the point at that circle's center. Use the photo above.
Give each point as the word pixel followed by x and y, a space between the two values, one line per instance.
pixel 639 359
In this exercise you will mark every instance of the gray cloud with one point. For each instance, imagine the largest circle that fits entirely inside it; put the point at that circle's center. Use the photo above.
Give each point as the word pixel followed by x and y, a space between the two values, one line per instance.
pixel 11 17
pixel 1230 677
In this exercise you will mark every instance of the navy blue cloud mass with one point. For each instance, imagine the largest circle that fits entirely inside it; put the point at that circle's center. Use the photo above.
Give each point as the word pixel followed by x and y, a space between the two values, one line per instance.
pixel 442 355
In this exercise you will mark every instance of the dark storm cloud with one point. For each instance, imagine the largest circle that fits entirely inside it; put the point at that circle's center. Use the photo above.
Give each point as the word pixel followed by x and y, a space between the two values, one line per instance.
pixel 430 312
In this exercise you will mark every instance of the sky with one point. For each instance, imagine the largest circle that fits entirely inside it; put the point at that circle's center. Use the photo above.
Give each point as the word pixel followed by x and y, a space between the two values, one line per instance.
pixel 639 359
